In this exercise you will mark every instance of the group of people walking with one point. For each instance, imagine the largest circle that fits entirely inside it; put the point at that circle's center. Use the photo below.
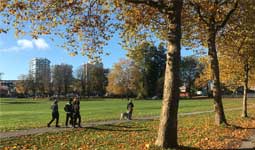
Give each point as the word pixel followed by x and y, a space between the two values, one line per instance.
pixel 72 109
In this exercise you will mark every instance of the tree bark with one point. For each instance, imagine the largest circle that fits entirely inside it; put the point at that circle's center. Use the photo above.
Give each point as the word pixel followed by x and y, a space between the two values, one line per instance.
pixel 167 133
pixel 246 73
pixel 212 52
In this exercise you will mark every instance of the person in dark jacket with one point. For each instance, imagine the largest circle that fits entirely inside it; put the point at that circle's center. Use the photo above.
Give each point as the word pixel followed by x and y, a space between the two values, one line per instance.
pixel 76 112
pixel 130 107
pixel 69 112
pixel 55 114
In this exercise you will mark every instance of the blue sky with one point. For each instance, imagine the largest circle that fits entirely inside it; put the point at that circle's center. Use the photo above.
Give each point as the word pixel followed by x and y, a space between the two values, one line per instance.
pixel 15 54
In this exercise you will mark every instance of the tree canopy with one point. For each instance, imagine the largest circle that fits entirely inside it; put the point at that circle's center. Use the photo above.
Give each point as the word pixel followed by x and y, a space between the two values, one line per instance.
pixel 85 26
pixel 92 22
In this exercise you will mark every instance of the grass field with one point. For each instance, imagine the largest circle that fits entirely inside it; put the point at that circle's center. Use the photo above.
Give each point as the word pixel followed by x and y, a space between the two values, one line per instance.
pixel 18 114
pixel 196 132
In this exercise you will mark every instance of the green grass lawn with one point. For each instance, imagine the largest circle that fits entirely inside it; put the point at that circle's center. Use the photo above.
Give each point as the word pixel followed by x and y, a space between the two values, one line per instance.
pixel 18 114
pixel 197 131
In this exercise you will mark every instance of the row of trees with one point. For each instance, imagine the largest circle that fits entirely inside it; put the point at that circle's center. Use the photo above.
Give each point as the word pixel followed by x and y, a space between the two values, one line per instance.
pixel 203 24
pixel 141 75
pixel 88 79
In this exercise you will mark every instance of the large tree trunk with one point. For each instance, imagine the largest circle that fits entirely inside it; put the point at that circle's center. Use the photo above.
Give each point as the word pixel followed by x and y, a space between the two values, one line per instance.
pixel 167 133
pixel 246 73
pixel 212 52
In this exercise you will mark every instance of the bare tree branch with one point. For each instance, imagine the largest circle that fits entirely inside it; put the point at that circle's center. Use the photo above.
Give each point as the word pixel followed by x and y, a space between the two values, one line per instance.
pixel 224 22
pixel 198 10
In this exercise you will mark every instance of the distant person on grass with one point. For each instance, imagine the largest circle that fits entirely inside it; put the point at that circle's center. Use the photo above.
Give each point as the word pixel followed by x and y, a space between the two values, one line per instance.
pixel 130 107
pixel 76 112
pixel 55 114
pixel 69 112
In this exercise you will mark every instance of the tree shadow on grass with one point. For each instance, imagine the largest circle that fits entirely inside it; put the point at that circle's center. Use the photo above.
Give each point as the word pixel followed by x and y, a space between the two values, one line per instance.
pixel 182 147
pixel 239 127
pixel 117 128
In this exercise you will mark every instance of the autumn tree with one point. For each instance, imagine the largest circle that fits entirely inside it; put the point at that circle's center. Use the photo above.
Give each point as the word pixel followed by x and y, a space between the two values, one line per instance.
pixel 84 26
pixel 163 19
pixel 123 79
pixel 91 21
pixel 76 87
pixel 96 79
pixel 26 85
pixel 238 50
pixel 41 83
pixel 204 78
pixel 204 21
pixel 190 70
pixel 231 72
pixel 21 87
pixel 62 78
pixel 92 79
pixel 151 62
pixel 105 79
pixel 80 85
pixel 56 80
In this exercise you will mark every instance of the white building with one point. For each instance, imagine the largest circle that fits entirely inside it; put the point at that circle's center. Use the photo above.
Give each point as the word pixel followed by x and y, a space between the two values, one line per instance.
pixel 39 68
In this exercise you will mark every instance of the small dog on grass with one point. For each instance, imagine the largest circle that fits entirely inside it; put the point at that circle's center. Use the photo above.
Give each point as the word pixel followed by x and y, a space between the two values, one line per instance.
pixel 124 115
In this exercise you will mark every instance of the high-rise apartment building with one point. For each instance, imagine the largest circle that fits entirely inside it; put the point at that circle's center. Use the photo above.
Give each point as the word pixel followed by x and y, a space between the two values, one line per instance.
pixel 39 68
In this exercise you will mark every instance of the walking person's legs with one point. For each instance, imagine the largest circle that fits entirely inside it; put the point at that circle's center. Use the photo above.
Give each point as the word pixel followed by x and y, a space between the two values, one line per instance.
pixel 79 122
pixel 53 118
pixel 67 118
pixel 71 119
pixel 57 119
pixel 74 119
pixel 130 114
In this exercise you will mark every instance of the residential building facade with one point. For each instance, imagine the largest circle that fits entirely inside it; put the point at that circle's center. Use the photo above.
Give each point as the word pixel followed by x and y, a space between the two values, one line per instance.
pixel 40 68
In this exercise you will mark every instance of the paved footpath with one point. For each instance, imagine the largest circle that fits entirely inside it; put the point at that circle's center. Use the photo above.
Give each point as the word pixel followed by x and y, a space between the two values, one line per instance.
pixel 250 143
pixel 18 133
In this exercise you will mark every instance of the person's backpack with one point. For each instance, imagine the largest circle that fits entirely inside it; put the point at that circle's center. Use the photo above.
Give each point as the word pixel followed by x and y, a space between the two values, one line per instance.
pixel 68 108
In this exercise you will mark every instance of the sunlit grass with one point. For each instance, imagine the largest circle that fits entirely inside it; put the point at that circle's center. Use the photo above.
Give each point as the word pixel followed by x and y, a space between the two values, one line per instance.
pixel 197 131
pixel 27 113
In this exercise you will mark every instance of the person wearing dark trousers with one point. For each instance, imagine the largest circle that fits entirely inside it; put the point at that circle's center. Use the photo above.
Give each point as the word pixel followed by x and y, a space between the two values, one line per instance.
pixel 76 112
pixel 69 112
pixel 55 114
pixel 130 107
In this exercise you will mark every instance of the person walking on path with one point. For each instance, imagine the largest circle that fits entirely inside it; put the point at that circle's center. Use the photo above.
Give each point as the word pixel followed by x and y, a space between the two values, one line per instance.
pixel 69 112
pixel 55 114
pixel 130 107
pixel 76 112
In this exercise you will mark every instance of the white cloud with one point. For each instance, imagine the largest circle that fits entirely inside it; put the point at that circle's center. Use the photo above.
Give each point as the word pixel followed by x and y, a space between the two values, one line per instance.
pixel 40 43
pixel 24 44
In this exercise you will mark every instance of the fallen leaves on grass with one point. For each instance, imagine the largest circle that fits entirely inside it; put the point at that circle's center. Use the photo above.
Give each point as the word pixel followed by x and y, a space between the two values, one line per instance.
pixel 197 131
